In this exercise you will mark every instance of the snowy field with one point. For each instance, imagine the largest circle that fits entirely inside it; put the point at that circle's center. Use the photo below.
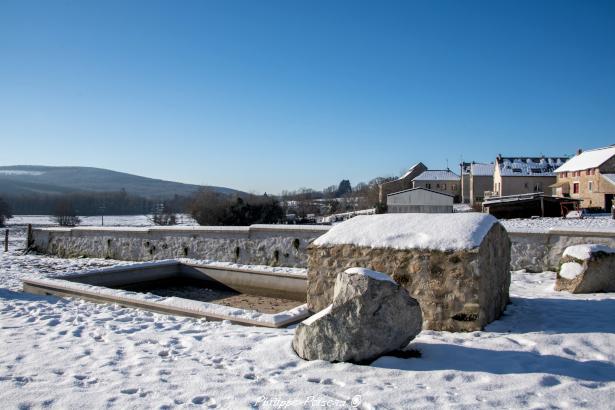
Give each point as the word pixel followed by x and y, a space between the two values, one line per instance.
pixel 111 220
pixel 550 350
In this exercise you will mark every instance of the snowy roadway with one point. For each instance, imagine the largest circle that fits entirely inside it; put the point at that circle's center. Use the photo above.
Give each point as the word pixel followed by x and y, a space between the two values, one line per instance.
pixel 550 350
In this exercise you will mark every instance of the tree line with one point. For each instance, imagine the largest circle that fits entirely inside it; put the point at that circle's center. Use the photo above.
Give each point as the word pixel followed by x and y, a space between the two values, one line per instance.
pixel 206 207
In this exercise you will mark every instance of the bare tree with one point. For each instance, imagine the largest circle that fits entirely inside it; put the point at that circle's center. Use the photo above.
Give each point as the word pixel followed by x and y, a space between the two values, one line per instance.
pixel 163 215
pixel 5 212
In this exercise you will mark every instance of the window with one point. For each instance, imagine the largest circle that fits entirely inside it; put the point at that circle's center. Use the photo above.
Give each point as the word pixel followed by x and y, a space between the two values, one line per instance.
pixel 437 185
pixel 575 187
pixel 453 187
pixel 588 172
pixel 428 186
pixel 444 186
pixel 590 186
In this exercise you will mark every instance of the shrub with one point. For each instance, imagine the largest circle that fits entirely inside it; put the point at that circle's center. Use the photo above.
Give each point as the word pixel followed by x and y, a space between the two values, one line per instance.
pixel 210 208
pixel 65 214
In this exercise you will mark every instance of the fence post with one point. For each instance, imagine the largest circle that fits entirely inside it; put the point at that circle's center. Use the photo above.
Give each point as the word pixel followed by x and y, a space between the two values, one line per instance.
pixel 30 240
pixel 6 240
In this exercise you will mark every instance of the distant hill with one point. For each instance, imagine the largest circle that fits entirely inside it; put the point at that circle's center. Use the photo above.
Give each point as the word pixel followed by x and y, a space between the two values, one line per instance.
pixel 36 179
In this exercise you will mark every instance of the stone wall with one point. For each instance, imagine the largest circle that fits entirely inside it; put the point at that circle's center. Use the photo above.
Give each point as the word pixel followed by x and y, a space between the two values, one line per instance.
pixel 458 290
pixel 538 252
pixel 275 245
pixel 535 252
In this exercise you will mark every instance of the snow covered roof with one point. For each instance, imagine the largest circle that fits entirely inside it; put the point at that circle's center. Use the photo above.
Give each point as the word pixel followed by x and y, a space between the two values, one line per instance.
pixel 529 166
pixel 412 168
pixel 588 159
pixel 411 231
pixel 437 175
pixel 610 178
pixel 482 169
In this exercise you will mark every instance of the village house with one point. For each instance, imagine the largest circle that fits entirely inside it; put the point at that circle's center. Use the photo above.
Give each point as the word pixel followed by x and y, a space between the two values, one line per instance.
pixel 476 179
pixel 440 180
pixel 402 183
pixel 524 175
pixel 590 177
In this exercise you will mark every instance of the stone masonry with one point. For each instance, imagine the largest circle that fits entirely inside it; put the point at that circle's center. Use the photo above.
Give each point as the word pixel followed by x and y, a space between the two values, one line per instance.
pixel 461 290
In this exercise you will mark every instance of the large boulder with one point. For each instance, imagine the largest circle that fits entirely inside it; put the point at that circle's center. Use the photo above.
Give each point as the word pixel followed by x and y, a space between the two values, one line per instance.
pixel 456 265
pixel 587 268
pixel 370 315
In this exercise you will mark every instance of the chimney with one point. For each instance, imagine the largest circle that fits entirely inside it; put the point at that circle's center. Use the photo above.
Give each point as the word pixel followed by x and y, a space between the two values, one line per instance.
pixel 579 151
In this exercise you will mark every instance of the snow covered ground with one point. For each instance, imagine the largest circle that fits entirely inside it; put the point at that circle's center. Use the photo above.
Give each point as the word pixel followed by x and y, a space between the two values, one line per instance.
pixel 550 350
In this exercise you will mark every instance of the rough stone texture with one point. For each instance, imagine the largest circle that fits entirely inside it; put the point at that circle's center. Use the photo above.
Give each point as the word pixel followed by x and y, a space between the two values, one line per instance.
pixel 276 245
pixel 457 290
pixel 368 317
pixel 539 252
pixel 597 274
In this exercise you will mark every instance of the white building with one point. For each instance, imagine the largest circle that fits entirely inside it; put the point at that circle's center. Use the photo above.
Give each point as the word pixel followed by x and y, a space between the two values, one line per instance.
pixel 420 200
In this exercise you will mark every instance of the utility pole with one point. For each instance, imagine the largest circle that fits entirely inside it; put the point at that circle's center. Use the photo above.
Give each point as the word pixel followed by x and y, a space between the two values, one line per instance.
pixel 102 215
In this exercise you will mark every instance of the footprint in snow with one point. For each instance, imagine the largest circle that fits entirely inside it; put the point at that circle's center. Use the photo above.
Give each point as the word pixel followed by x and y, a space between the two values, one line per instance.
pixel 200 399
pixel 129 391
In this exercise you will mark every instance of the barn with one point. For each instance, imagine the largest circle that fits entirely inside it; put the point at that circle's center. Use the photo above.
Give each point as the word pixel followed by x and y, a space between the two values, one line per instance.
pixel 419 200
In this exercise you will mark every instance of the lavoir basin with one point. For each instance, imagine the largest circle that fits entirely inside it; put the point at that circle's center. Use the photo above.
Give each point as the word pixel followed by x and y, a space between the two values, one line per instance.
pixel 248 295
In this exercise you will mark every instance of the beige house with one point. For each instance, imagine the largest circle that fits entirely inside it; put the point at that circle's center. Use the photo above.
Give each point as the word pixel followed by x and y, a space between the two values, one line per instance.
pixel 524 175
pixel 440 180
pixel 402 183
pixel 476 179
pixel 589 176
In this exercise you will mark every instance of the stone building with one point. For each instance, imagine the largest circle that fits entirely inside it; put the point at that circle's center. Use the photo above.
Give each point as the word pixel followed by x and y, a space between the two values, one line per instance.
pixel 524 175
pixel 590 177
pixel 419 200
pixel 440 180
pixel 476 179
pixel 401 183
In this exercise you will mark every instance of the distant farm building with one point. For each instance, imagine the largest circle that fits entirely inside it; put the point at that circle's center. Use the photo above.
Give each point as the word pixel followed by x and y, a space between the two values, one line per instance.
pixel 420 200
pixel 441 180
pixel 528 205
pixel 590 177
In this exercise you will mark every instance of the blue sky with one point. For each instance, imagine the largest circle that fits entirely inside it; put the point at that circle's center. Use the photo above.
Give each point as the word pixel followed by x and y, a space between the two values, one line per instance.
pixel 265 96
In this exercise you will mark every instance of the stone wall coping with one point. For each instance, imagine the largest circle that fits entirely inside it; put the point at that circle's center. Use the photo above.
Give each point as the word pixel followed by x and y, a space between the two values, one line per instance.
pixel 565 232
pixel 191 229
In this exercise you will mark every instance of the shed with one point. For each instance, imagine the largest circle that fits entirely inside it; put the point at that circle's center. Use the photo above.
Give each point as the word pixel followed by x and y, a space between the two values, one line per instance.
pixel 420 200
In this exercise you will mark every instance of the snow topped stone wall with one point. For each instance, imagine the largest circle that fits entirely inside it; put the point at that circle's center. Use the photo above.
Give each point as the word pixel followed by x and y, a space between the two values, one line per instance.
pixel 541 251
pixel 274 245
pixel 455 265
